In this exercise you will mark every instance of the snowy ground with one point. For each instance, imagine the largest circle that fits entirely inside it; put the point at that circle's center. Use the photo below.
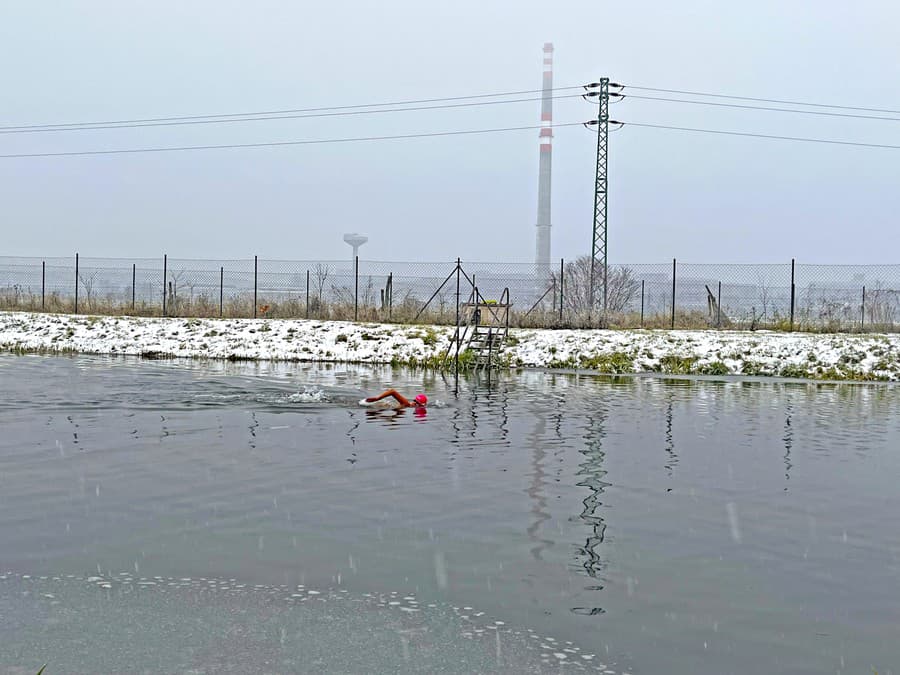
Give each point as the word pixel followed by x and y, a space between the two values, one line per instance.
pixel 820 356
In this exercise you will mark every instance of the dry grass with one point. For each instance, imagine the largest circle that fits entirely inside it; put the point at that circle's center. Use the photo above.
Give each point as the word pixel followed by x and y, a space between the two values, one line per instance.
pixel 408 312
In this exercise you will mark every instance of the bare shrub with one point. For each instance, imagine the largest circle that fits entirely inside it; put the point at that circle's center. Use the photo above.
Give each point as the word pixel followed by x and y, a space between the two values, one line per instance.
pixel 622 287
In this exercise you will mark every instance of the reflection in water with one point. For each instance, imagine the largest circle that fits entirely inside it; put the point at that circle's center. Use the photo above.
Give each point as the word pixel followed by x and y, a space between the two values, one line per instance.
pixel 74 433
pixel 788 437
pixel 455 425
pixel 351 434
pixel 670 441
pixel 253 426
pixel 592 473
pixel 441 507
pixel 386 416
pixel 503 396
pixel 480 416
pixel 536 489
pixel 473 413
pixel 497 404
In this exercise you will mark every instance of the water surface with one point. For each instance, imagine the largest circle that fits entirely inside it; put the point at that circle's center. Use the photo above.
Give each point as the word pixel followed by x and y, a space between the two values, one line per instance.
pixel 188 517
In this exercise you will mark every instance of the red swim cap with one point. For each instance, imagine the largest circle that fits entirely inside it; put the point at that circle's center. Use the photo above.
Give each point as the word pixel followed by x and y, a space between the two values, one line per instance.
pixel 421 399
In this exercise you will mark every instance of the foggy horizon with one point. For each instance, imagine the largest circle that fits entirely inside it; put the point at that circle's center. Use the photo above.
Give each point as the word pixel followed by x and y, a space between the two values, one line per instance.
pixel 698 197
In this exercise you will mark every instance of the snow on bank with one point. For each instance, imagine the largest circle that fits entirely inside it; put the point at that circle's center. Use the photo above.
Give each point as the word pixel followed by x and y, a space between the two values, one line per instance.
pixel 823 356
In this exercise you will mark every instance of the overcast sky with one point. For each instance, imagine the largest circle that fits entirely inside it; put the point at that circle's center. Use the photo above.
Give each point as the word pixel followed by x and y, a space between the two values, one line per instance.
pixel 698 197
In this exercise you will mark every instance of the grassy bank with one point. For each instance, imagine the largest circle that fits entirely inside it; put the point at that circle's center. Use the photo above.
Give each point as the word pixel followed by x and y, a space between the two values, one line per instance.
pixel 817 356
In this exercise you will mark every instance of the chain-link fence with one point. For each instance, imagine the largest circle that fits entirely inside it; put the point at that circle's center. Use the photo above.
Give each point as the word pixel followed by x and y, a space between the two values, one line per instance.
pixel 571 293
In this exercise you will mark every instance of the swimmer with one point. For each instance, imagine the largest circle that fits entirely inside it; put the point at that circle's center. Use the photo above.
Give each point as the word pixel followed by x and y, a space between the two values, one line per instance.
pixel 419 402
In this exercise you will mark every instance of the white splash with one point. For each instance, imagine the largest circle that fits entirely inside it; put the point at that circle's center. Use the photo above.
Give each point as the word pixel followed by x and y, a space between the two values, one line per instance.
pixel 308 395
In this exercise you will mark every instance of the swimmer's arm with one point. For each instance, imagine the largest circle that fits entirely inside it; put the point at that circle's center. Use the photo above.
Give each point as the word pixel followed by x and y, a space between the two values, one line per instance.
pixel 402 400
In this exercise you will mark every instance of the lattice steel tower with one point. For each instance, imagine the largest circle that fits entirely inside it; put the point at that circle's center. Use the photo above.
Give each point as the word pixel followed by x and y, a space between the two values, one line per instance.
pixel 542 249
pixel 598 243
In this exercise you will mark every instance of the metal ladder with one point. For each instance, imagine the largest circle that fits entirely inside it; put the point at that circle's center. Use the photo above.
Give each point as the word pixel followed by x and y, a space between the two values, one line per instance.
pixel 485 342
pixel 485 328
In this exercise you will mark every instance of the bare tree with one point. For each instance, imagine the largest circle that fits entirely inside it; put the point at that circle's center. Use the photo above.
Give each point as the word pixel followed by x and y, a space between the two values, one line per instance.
pixel 621 286
pixel 321 273
pixel 87 283
pixel 764 292
pixel 368 292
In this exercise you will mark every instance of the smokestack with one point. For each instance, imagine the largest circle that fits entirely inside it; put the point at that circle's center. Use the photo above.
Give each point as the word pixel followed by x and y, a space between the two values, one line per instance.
pixel 542 250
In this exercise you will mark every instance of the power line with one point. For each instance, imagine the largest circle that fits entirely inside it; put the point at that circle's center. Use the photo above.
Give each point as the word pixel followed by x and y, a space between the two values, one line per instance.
pixel 761 107
pixel 436 134
pixel 755 135
pixel 67 126
pixel 292 111
pixel 341 113
pixel 763 100
pixel 317 141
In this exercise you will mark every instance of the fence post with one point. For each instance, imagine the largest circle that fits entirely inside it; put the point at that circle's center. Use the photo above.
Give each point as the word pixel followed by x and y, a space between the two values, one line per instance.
pixel 456 339
pixel 355 288
pixel 506 312
pixel 165 270
pixel 642 303
pixel 719 307
pixel 390 295
pixel 221 291
pixel 562 269
pixel 862 318
pixel 76 283
pixel 673 292
pixel 133 285
pixel 793 293
pixel 43 282
pixel 255 267
pixel 307 294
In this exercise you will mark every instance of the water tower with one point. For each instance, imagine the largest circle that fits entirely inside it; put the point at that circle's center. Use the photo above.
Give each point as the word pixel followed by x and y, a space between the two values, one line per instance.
pixel 355 240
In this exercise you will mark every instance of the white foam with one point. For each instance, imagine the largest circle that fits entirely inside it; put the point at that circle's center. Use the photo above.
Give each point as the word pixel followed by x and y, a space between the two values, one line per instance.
pixel 308 395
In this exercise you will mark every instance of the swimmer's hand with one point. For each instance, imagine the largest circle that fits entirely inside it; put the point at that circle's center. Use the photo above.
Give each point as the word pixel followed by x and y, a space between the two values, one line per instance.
pixel 371 399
